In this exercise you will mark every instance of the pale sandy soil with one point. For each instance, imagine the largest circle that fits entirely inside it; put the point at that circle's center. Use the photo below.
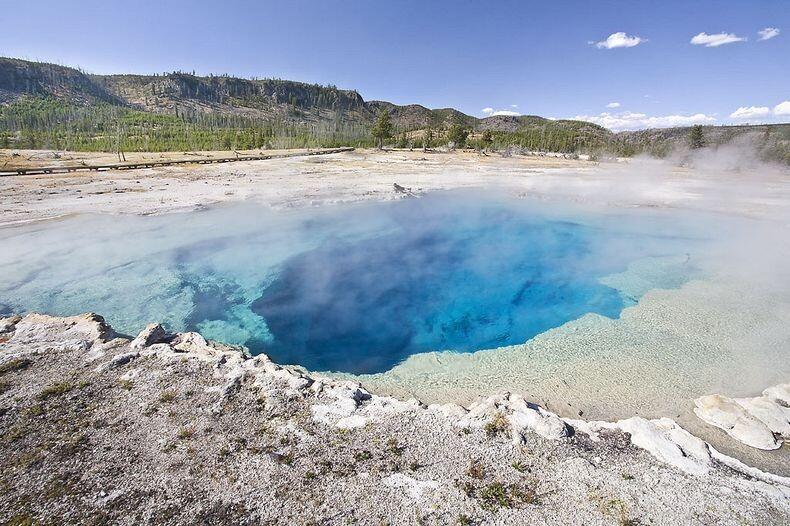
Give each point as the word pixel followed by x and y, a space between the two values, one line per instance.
pixel 277 182
pixel 12 159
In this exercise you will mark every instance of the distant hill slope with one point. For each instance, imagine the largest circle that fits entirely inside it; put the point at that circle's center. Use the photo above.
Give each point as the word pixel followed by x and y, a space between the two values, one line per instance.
pixel 185 94
pixel 38 79
pixel 48 105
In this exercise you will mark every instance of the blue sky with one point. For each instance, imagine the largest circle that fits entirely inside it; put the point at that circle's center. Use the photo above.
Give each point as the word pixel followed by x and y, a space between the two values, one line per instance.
pixel 527 57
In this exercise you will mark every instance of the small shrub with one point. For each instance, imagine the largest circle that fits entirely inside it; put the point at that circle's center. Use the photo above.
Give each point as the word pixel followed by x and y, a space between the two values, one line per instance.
pixel 167 396
pixel 186 433
pixel 57 389
pixel 126 384
pixel 287 458
pixel 35 410
pixel 618 509
pixel 394 447
pixel 361 456
pixel 497 425
pixel 520 467
pixel 476 470
pixel 17 364
pixel 499 495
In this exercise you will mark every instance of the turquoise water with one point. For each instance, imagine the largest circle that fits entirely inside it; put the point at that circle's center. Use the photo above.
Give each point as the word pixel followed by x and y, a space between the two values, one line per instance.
pixel 353 288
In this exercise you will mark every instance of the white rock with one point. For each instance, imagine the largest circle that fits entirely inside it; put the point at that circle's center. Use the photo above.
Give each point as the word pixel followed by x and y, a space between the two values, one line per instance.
pixel 546 424
pixel 769 412
pixel 450 410
pixel 413 487
pixel 331 413
pixel 725 414
pixel 8 324
pixel 352 422
pixel 152 333
pixel 669 443
pixel 779 392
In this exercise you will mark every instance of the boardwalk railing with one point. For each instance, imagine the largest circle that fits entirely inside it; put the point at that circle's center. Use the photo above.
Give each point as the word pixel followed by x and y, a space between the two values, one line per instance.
pixel 151 164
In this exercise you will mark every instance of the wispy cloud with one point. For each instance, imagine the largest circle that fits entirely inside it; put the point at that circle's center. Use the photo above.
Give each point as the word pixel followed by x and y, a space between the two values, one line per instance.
pixel 716 39
pixel 637 121
pixel 768 33
pixel 619 39
pixel 491 112
pixel 613 105
pixel 783 108
pixel 750 112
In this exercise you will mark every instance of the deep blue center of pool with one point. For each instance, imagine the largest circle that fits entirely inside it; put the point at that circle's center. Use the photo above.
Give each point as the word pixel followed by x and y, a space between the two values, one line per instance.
pixel 364 306
pixel 351 288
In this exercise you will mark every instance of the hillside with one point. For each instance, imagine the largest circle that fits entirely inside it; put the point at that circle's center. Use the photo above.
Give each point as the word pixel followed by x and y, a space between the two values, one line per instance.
pixel 770 141
pixel 53 106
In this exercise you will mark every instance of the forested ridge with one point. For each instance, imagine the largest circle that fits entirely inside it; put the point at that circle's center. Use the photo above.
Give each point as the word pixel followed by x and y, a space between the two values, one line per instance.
pixel 51 106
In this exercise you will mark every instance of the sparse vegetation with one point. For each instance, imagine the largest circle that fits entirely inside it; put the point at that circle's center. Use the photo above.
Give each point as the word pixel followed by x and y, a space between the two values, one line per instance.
pixel 54 390
pixel 186 433
pixel 520 466
pixel 500 495
pixel 476 470
pixel 498 424
pixel 167 396
pixel 16 364
pixel 361 456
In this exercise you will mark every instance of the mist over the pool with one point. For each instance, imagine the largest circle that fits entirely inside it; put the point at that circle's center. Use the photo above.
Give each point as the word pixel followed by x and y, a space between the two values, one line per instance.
pixel 353 288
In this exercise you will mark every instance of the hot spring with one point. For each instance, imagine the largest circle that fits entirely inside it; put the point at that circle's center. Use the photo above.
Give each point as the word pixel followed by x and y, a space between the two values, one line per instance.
pixel 352 288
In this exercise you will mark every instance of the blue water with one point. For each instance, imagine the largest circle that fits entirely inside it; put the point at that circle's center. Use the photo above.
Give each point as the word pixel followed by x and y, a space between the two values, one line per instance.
pixel 353 288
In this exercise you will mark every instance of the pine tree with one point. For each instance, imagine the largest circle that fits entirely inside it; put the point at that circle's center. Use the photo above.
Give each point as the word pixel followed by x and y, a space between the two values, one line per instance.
pixel 427 138
pixel 696 138
pixel 457 135
pixel 487 139
pixel 382 130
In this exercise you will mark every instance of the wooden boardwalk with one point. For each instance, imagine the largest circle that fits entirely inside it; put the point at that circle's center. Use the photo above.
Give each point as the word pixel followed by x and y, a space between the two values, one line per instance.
pixel 5 172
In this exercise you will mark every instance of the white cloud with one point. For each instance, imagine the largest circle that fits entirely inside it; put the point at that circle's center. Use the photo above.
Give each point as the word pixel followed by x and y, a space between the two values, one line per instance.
pixel 619 39
pixel 613 105
pixel 490 112
pixel 715 40
pixel 750 112
pixel 637 121
pixel 783 108
pixel 768 32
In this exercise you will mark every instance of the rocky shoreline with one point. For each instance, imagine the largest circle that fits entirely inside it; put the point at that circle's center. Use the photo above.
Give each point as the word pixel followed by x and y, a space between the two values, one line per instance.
pixel 173 429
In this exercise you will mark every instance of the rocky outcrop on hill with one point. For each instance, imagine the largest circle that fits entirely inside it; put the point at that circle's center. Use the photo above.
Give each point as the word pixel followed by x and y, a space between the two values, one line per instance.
pixel 173 429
